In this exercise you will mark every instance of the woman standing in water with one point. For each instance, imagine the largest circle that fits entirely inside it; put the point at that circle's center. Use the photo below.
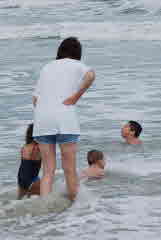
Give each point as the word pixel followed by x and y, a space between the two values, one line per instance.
pixel 62 82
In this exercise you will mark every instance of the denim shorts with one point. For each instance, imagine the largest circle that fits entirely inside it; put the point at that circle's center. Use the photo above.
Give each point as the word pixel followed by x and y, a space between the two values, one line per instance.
pixel 58 138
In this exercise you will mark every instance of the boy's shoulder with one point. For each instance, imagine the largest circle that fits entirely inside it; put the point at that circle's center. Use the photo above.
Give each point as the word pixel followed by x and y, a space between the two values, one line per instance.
pixel 92 173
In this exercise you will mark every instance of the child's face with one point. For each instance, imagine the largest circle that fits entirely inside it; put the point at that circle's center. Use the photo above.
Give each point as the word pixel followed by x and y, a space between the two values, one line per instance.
pixel 126 131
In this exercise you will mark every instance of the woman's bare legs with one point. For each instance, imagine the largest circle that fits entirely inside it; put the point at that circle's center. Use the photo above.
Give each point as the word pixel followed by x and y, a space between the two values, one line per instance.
pixel 48 155
pixel 68 154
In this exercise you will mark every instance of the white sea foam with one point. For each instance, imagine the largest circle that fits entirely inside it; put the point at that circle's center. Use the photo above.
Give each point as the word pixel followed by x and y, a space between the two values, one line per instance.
pixel 137 164
pixel 56 201
pixel 35 206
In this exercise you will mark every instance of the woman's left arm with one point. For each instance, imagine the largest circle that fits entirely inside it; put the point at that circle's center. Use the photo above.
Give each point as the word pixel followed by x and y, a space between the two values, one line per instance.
pixel 87 82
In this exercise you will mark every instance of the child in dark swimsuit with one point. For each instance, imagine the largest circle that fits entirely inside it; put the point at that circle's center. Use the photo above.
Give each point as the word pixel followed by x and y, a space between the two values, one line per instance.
pixel 28 179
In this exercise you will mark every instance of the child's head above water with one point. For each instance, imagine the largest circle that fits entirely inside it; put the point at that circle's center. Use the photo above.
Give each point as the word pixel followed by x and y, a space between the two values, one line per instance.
pixel 29 132
pixel 131 132
pixel 95 157
pixel 132 128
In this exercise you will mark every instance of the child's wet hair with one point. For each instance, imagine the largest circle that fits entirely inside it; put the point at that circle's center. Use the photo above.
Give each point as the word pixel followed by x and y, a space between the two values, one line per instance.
pixel 29 132
pixel 136 127
pixel 93 156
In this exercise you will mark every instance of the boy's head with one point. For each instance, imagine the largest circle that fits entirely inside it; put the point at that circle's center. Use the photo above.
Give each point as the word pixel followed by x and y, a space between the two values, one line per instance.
pixel 70 48
pixel 96 157
pixel 131 129
pixel 29 138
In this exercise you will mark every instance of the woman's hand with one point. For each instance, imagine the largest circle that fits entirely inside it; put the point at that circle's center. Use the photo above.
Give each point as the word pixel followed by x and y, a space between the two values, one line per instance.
pixel 88 80
pixel 71 100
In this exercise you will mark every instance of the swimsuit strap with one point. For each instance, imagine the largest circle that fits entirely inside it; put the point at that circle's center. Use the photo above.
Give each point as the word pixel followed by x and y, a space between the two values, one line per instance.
pixel 35 150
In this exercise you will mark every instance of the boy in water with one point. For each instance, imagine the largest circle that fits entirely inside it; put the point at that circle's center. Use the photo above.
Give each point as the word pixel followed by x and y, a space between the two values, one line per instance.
pixel 28 179
pixel 131 132
pixel 96 164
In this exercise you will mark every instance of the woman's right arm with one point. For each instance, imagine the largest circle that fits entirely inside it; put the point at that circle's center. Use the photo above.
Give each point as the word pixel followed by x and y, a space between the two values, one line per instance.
pixel 38 87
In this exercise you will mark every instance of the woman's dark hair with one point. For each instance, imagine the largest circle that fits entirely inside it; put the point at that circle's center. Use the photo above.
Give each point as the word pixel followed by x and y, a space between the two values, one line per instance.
pixel 70 48
pixel 136 127
pixel 93 156
pixel 29 138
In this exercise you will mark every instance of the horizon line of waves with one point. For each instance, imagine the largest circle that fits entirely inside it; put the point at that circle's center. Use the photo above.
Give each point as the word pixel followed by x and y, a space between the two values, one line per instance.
pixel 10 7
pixel 134 10
pixel 123 6
pixel 31 32
pixel 32 38
pixel 146 30
pixel 30 4
pixel 138 7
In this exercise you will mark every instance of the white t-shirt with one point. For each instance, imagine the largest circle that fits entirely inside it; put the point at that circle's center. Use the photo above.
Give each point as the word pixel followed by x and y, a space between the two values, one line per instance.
pixel 58 80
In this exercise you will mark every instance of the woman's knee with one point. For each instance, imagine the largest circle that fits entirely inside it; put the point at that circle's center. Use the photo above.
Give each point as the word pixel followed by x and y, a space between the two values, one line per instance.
pixel 49 173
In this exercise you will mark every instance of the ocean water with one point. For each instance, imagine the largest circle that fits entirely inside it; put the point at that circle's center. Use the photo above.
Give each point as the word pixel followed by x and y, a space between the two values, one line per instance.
pixel 121 41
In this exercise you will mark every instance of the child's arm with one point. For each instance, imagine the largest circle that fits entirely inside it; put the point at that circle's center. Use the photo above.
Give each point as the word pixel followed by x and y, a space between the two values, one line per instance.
pixel 87 82
pixel 36 92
